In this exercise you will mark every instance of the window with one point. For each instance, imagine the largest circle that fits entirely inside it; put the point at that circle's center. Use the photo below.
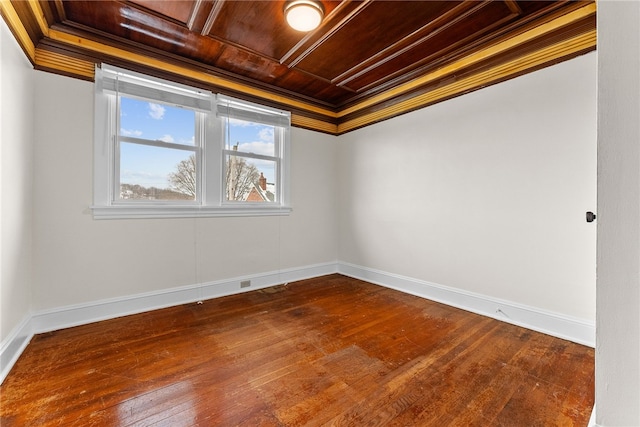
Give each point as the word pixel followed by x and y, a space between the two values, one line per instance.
pixel 168 150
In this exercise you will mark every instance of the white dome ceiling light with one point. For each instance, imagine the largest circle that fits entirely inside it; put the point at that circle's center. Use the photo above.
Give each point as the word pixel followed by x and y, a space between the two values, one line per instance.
pixel 303 15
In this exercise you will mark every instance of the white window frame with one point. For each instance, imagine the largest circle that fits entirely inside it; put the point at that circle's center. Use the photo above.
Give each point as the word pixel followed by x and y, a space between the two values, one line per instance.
pixel 211 115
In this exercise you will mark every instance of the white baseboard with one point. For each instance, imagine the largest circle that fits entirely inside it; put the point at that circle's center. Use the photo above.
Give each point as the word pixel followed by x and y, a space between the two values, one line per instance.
pixel 592 419
pixel 12 347
pixel 81 314
pixel 555 324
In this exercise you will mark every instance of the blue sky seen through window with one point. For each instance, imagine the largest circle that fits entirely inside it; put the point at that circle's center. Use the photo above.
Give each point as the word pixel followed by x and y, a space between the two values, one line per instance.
pixel 151 166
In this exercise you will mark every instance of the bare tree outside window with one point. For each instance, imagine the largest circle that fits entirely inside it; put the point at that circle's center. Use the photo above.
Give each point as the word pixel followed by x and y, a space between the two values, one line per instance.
pixel 183 180
pixel 240 177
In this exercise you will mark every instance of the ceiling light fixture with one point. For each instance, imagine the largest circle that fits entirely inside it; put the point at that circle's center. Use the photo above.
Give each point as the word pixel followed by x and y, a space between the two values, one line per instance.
pixel 303 15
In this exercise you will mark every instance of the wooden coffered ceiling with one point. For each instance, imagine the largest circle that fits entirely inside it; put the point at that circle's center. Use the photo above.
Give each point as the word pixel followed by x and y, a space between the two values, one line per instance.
pixel 368 61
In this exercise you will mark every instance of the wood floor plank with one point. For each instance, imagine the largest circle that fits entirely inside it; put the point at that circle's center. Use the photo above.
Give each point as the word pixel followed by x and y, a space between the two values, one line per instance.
pixel 325 351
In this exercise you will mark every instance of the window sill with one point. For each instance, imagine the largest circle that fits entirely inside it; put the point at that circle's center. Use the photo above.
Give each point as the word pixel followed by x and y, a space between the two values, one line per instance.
pixel 149 212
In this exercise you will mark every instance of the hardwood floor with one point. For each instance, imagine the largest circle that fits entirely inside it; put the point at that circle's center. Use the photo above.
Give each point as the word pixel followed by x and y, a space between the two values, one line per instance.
pixel 324 351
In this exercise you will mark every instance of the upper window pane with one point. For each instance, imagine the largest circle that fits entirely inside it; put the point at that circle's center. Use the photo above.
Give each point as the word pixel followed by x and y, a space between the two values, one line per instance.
pixel 156 122
pixel 249 137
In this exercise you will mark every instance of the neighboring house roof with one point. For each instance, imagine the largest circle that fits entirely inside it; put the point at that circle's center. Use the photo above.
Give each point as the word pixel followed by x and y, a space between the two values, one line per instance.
pixel 261 191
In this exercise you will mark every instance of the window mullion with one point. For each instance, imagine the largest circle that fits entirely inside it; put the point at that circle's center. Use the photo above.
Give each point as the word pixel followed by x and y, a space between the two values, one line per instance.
pixel 115 147
pixel 200 139
pixel 212 160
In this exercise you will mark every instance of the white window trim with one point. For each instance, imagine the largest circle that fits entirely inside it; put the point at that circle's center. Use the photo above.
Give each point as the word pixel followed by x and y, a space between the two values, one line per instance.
pixel 210 201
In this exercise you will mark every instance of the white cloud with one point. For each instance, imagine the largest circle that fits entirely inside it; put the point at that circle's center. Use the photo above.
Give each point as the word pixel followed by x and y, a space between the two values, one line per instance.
pixel 127 132
pixel 266 134
pixel 257 147
pixel 166 138
pixel 156 111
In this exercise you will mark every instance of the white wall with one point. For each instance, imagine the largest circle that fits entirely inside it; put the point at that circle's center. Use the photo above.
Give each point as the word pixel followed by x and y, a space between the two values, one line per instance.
pixel 618 320
pixel 16 154
pixel 80 260
pixel 484 193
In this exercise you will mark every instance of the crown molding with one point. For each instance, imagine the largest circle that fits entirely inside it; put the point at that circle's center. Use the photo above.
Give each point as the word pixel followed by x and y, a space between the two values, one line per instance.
pixel 75 56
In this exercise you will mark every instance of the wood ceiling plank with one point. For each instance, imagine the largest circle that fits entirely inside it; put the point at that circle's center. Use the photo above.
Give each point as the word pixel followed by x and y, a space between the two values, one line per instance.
pixel 193 16
pixel 59 7
pixel 448 42
pixel 177 10
pixel 514 6
pixel 250 64
pixel 344 13
pixel 247 25
pixel 441 23
pixel 373 29
pixel 213 15
pixel 199 15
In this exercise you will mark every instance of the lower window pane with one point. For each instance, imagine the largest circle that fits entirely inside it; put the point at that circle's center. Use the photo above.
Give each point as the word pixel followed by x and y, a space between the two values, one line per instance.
pixel 155 173
pixel 250 180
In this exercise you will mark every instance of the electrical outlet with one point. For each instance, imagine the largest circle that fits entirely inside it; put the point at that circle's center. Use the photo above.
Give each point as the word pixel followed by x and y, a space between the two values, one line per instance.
pixel 245 283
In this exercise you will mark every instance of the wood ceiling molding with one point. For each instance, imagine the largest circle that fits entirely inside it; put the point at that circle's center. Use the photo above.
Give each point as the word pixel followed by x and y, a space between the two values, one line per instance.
pixel 38 14
pixel 551 54
pixel 314 124
pixel 368 61
pixel 17 27
pixel 477 57
pixel 190 73
pixel 64 64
